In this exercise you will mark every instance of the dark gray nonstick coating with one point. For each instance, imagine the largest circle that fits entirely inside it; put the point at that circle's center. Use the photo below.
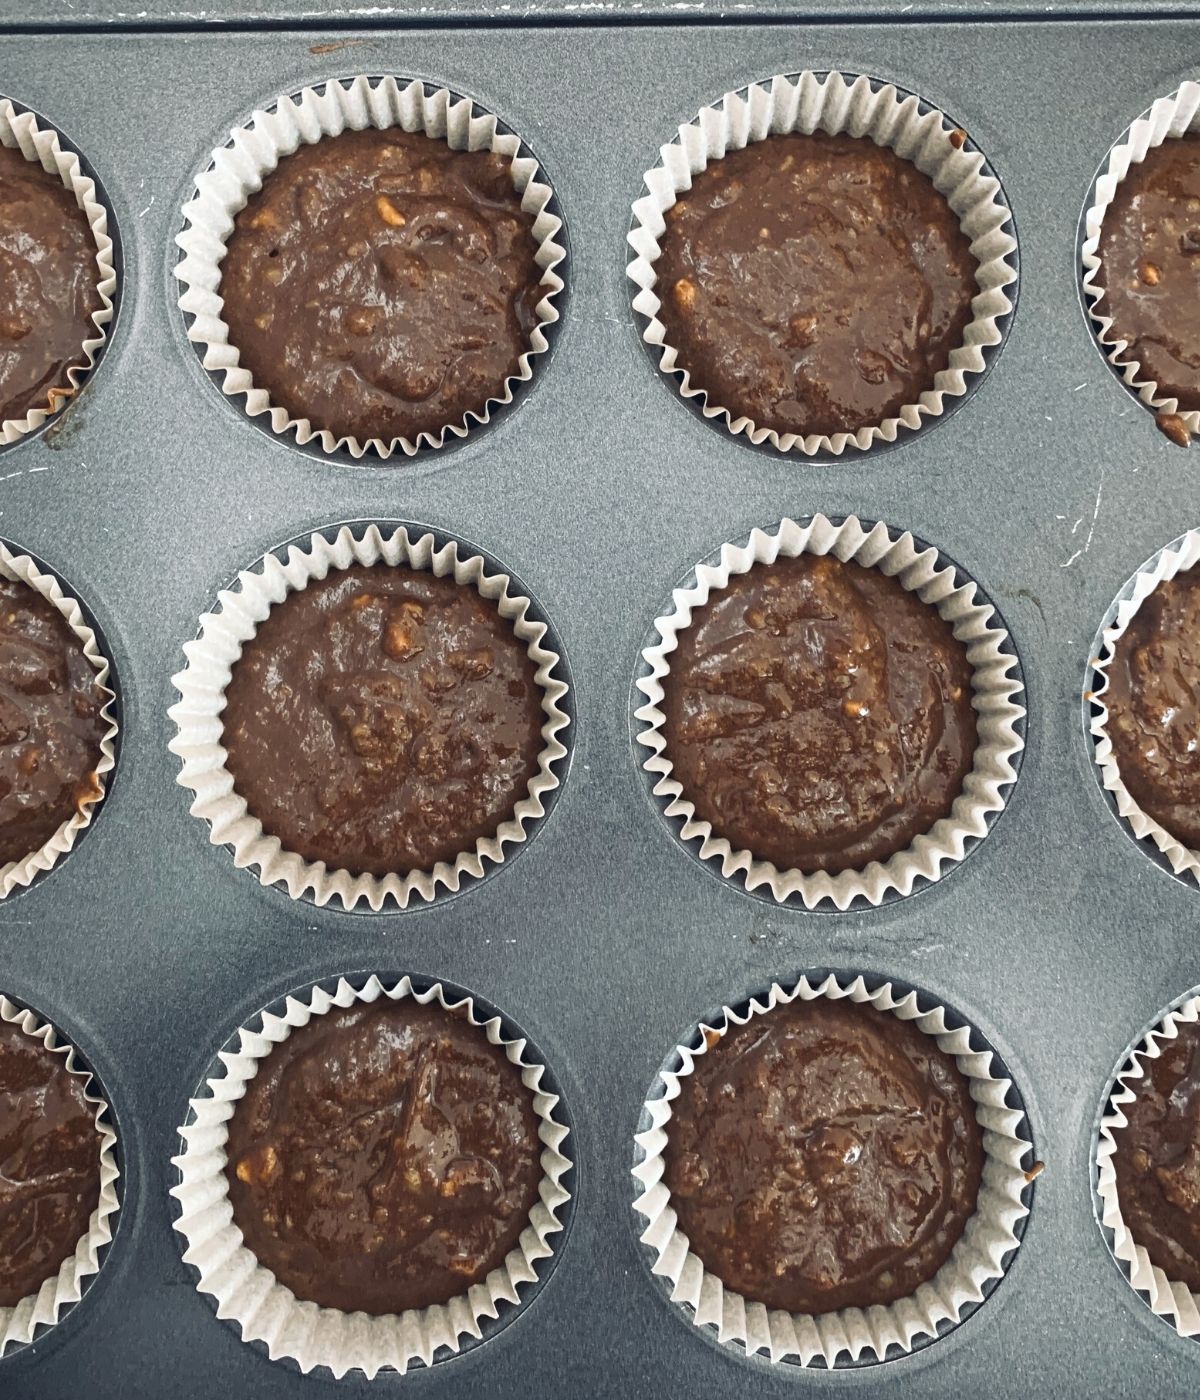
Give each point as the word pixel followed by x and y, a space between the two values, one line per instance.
pixel 1059 938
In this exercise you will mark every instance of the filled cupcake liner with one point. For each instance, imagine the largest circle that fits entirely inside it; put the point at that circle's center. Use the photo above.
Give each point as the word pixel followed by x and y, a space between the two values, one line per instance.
pixel 1169 117
pixel 849 105
pixel 238 170
pixel 980 1257
pixel 995 700
pixel 210 661
pixel 265 1310
pixel 1173 1301
pixel 21 1324
pixel 15 874
pixel 20 130
pixel 1179 556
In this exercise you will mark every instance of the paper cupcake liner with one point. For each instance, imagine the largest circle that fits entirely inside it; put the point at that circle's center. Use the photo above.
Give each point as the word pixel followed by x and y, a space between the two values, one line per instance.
pixel 981 1256
pixel 267 1312
pixel 1179 556
pixel 21 1324
pixel 1168 117
pixel 1174 1302
pixel 237 171
pixel 16 874
pixel 212 655
pixel 996 689
pixel 853 106
pixel 42 146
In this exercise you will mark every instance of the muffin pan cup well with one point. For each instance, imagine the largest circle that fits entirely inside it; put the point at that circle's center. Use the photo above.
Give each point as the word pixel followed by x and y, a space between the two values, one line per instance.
pixel 214 652
pixel 27 1322
pixel 855 106
pixel 237 170
pixel 42 143
pixel 853 1336
pixel 996 685
pixel 247 1294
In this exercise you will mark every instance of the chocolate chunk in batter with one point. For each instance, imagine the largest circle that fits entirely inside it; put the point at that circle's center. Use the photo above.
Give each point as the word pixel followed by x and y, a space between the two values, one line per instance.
pixel 1150 267
pixel 824 1156
pixel 383 719
pixel 49 1163
pixel 1153 700
pixel 48 287
pixel 819 715
pixel 50 722
pixel 384 1157
pixel 1157 1160
pixel 381 285
pixel 815 284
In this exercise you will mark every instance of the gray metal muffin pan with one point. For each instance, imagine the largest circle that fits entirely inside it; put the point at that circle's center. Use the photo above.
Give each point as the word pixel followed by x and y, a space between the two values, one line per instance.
pixel 1058 939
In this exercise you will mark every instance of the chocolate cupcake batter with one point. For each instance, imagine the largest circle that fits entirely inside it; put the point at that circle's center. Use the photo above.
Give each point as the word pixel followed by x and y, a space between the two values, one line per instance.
pixel 1153 701
pixel 818 714
pixel 49 1163
pixel 824 1156
pixel 48 287
pixel 1157 1160
pixel 815 284
pixel 382 285
pixel 384 1157
pixel 382 720
pixel 50 722
pixel 1150 267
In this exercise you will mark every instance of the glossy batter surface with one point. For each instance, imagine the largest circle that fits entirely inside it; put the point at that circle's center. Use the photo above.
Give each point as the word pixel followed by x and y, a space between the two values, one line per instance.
pixel 49 1163
pixel 383 719
pixel 1157 1160
pixel 384 1157
pixel 50 722
pixel 818 714
pixel 47 287
pixel 381 284
pixel 814 283
pixel 1150 255
pixel 824 1156
pixel 1153 701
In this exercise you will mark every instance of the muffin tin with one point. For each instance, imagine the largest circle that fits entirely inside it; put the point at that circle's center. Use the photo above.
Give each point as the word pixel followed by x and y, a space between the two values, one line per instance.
pixel 607 941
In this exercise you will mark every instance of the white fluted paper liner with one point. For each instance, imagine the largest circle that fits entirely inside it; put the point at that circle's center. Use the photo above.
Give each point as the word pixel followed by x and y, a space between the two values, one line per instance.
pixel 1173 1301
pixel 255 149
pixel 848 105
pixel 16 874
pixel 249 1294
pixel 995 690
pixel 211 657
pixel 1179 556
pixel 20 1324
pixel 1169 117
pixel 979 1257
pixel 21 130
